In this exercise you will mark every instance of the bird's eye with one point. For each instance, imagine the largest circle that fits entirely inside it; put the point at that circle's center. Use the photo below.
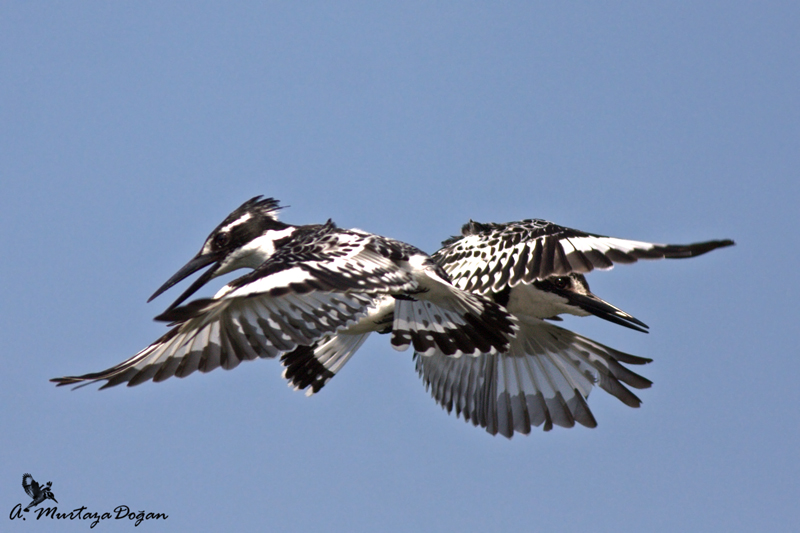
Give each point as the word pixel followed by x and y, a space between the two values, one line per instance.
pixel 221 240
pixel 561 282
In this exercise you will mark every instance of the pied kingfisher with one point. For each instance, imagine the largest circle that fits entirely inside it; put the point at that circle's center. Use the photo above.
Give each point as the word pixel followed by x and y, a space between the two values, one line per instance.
pixel 307 285
pixel 535 269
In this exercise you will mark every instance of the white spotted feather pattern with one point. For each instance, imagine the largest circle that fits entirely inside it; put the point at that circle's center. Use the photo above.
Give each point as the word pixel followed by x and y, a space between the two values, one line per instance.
pixel 489 257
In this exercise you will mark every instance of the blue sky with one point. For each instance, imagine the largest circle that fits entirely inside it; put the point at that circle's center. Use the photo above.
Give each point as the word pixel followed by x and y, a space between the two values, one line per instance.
pixel 129 130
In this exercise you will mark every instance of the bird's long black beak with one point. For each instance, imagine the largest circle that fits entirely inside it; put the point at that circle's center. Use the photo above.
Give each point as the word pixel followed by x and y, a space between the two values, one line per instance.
pixel 584 298
pixel 199 261
pixel 602 309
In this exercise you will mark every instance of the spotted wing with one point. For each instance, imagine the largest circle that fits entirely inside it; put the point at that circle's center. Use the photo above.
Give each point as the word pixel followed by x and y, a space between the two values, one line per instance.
pixel 224 332
pixel 490 257
pixel 544 379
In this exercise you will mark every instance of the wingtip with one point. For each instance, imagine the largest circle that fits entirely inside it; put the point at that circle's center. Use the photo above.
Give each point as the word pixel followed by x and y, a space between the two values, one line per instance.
pixel 723 243
pixel 71 380
pixel 65 380
pixel 701 248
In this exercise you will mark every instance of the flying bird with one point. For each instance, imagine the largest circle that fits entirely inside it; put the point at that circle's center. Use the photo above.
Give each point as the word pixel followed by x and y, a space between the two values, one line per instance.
pixel 39 493
pixel 535 268
pixel 306 284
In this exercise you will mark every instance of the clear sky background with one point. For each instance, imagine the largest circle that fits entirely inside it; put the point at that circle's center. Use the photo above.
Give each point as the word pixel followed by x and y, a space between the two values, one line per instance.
pixel 129 130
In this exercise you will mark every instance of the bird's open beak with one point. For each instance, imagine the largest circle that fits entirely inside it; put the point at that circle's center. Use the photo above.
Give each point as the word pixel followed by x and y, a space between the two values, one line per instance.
pixel 198 262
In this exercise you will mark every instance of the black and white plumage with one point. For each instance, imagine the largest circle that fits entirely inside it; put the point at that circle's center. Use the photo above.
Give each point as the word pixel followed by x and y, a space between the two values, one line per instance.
pixel 535 269
pixel 487 258
pixel 39 493
pixel 543 379
pixel 307 284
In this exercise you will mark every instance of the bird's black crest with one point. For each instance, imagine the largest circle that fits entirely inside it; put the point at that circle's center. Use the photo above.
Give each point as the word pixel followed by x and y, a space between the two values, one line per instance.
pixel 266 207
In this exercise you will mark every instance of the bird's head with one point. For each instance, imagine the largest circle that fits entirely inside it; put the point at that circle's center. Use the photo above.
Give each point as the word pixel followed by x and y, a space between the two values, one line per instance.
pixel 245 239
pixel 579 300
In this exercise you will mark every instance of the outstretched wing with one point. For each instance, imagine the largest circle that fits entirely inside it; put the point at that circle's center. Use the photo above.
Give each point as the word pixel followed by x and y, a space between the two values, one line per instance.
pixel 223 332
pixel 544 378
pixel 490 257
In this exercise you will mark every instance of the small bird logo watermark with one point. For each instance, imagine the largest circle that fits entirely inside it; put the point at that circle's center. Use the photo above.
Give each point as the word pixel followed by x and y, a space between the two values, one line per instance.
pixel 38 492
